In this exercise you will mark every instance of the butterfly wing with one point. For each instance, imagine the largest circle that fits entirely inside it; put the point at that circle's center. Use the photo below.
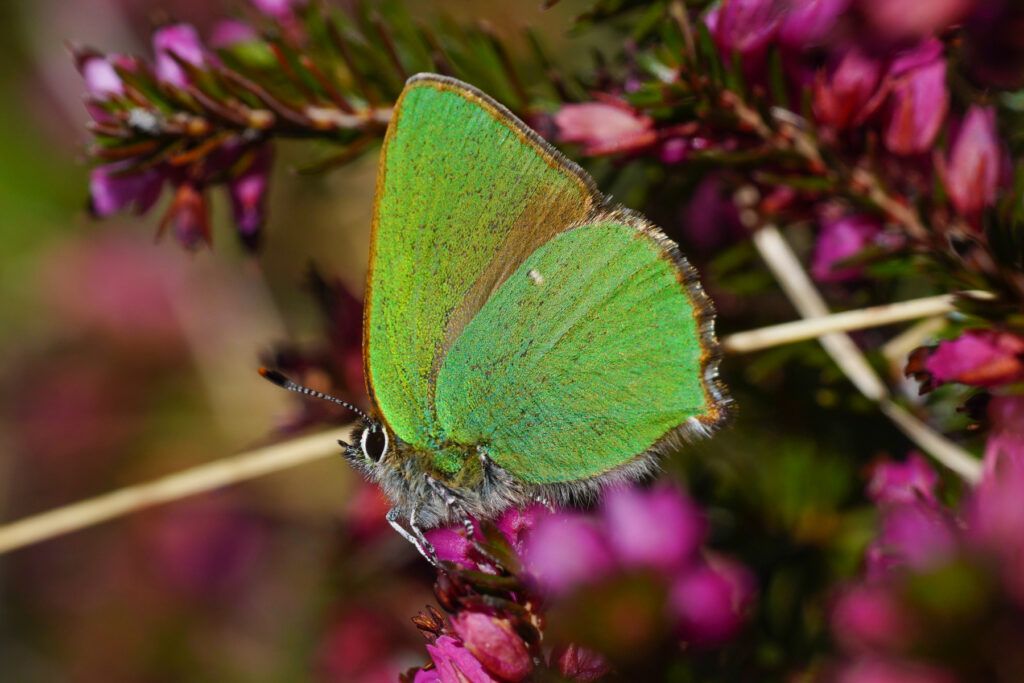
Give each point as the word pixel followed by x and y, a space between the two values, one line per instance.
pixel 598 349
pixel 465 192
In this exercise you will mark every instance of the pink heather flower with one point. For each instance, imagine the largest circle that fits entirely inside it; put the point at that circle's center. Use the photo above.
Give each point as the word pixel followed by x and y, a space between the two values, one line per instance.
pixel 183 41
pixel 231 32
pixel 660 528
pixel 910 481
pixel 744 27
pixel 810 22
pixel 710 219
pixel 100 77
pixel 358 646
pixel 973 168
pixel 841 239
pixel 674 151
pixel 918 101
pixel 204 548
pixel 995 518
pixel 846 95
pixel 567 550
pixel 278 9
pixel 188 217
pixel 517 524
pixel 710 602
pixel 901 21
pixel 996 512
pixel 983 358
pixel 495 644
pixel 1005 442
pixel 917 535
pixel 451 544
pixel 604 127
pixel 113 189
pixel 454 664
pixel 869 617
pixel 876 670
pixel 248 192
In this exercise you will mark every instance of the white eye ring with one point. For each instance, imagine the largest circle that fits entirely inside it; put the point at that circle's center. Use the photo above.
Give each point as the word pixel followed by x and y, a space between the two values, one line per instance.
pixel 364 443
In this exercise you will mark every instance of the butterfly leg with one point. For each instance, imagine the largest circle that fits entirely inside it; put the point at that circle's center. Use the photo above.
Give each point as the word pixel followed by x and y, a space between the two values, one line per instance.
pixel 416 537
pixel 453 503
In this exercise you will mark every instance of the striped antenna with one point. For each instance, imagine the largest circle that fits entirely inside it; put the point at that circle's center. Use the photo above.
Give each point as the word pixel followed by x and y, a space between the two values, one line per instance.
pixel 282 381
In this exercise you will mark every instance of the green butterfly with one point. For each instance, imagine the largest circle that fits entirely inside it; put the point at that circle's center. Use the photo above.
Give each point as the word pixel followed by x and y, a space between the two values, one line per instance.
pixel 525 339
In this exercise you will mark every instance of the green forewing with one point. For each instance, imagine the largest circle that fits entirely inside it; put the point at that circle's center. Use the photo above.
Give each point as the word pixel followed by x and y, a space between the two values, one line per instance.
pixel 586 356
pixel 464 194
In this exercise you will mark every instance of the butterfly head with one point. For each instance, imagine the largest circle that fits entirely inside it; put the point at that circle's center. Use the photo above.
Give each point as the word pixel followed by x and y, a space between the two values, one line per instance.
pixel 369 450
pixel 372 443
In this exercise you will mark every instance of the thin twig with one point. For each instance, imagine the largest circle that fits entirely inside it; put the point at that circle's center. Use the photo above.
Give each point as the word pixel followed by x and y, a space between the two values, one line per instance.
pixel 847 355
pixel 863 318
pixel 270 459
pixel 193 481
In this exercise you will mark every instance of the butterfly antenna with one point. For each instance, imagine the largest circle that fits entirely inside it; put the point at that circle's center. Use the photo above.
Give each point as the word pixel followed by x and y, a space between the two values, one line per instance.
pixel 285 383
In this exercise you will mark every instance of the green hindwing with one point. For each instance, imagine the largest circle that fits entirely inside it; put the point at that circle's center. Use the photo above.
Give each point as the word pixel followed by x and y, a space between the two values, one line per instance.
pixel 596 350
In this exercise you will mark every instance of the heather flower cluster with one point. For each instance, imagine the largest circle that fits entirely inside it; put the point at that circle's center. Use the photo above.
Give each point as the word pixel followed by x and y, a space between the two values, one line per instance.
pixel 135 180
pixel 932 569
pixel 538 591
pixel 877 131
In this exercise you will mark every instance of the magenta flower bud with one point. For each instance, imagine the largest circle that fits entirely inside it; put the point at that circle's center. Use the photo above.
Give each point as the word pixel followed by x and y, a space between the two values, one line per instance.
pixel 996 515
pixel 841 239
pixel 870 617
pixel 565 551
pixel 604 127
pixel 847 95
pixel 1005 442
pixel 231 32
pixel 660 528
pixel 455 664
pixel 516 524
pixel 188 217
pixel 905 21
pixel 182 40
pixel 878 564
pixel 278 9
pixel 494 644
pixel 111 189
pixel 709 603
pixel 810 22
pixel 917 535
pixel 451 546
pixel 744 27
pixel 100 77
pixel 918 101
pixel 248 193
pixel 981 358
pixel 974 167
pixel 910 481
pixel 674 151
pixel 710 219
pixel 878 670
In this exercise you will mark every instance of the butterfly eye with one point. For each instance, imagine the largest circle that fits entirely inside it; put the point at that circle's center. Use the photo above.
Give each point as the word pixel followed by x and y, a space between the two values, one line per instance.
pixel 374 443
